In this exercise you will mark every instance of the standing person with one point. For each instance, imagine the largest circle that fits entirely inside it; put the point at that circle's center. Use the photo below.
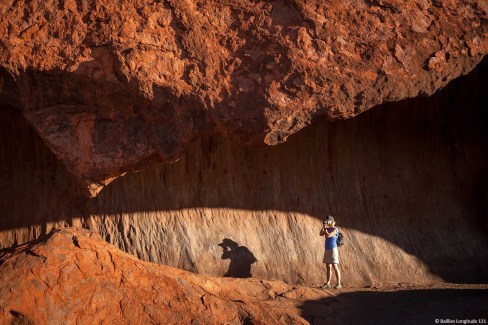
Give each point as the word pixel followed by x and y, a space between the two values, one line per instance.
pixel 331 255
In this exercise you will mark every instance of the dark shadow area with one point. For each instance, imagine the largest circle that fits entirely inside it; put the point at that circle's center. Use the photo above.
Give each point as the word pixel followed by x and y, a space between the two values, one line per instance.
pixel 25 247
pixel 20 319
pixel 38 189
pixel 480 196
pixel 398 307
pixel 241 259
pixel 413 164
pixel 417 136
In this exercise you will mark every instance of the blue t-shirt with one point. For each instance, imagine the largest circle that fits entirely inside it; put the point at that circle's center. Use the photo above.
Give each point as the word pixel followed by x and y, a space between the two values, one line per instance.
pixel 332 241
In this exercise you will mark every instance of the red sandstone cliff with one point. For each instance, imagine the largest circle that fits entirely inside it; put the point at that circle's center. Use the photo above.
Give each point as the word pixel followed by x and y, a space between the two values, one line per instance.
pixel 90 90
pixel 407 182
pixel 111 85
pixel 72 276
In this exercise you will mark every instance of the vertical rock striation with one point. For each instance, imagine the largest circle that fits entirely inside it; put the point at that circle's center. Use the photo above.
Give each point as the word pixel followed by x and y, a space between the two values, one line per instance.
pixel 111 86
pixel 406 181
pixel 72 276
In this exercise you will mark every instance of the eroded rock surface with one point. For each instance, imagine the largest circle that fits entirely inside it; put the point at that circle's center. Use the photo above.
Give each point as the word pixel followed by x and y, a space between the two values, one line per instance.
pixel 407 183
pixel 72 276
pixel 111 85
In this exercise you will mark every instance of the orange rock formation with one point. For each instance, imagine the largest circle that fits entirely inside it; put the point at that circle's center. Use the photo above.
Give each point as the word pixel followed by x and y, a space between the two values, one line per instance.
pixel 92 90
pixel 73 277
pixel 407 183
pixel 111 85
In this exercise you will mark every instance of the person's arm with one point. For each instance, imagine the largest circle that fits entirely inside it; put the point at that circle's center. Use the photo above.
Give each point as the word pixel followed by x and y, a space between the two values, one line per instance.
pixel 323 232
pixel 330 234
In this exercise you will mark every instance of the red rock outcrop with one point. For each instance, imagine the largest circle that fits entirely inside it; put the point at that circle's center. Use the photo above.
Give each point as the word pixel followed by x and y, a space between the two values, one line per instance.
pixel 407 182
pixel 111 85
pixel 72 276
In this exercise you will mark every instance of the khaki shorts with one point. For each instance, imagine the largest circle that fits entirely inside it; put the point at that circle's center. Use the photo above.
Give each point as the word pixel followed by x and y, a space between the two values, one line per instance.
pixel 331 256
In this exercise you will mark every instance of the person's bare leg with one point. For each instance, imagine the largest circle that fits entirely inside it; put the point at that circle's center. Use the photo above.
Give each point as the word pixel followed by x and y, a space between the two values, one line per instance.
pixel 338 274
pixel 329 273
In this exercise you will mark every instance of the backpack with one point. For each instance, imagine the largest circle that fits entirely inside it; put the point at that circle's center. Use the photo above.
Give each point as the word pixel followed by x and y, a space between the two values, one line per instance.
pixel 340 239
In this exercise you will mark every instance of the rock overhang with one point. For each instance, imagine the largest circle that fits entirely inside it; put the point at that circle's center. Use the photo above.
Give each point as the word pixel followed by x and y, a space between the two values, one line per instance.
pixel 110 87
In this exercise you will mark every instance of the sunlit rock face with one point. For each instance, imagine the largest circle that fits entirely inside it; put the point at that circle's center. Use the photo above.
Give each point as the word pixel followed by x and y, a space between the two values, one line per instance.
pixel 73 276
pixel 110 86
pixel 407 183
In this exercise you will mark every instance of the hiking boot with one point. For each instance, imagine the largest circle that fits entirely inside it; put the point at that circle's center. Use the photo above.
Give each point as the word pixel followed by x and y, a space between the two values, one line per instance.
pixel 338 286
pixel 326 286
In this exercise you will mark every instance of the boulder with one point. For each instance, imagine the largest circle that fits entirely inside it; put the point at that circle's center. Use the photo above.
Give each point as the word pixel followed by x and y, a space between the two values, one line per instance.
pixel 110 86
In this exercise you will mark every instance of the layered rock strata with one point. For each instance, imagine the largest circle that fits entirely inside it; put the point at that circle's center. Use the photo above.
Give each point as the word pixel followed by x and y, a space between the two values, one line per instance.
pixel 407 183
pixel 110 86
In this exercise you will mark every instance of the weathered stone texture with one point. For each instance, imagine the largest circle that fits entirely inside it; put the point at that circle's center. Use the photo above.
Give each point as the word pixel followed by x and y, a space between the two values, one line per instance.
pixel 75 277
pixel 111 85
pixel 72 276
pixel 407 182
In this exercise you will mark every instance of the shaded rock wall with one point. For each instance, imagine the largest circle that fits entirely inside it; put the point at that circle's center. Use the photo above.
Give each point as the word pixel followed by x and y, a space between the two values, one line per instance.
pixel 110 85
pixel 407 183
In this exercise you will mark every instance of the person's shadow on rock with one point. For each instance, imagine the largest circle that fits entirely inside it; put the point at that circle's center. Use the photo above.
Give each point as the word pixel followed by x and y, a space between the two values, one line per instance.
pixel 240 257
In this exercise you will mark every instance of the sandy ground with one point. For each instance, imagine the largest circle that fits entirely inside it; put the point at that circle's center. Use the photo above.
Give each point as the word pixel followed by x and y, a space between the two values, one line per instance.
pixel 401 304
